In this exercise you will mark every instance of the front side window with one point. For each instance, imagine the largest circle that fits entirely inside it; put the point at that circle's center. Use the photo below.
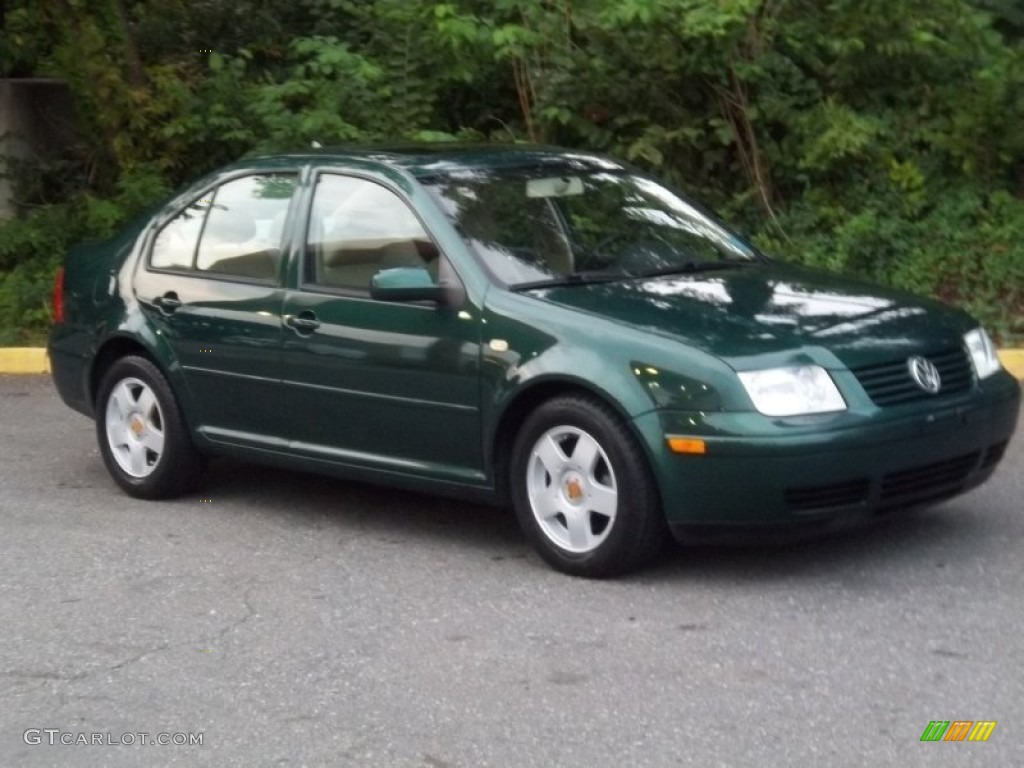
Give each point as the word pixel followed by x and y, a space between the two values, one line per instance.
pixel 531 225
pixel 235 230
pixel 357 228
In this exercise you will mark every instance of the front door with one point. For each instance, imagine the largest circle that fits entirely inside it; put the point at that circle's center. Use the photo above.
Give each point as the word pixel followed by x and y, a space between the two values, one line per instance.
pixel 391 386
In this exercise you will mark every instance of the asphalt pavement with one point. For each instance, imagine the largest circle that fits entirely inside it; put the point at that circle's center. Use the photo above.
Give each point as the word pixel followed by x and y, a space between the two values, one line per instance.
pixel 290 620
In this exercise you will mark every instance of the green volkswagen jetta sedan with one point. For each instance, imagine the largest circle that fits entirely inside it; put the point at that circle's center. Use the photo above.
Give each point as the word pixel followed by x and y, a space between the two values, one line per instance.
pixel 524 325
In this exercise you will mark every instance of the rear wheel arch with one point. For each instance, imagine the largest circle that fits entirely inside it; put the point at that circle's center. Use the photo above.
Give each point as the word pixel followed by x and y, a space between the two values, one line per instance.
pixel 143 438
pixel 110 352
pixel 117 347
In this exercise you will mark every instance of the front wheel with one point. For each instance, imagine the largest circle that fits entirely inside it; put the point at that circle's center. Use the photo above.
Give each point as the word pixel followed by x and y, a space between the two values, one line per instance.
pixel 142 435
pixel 582 490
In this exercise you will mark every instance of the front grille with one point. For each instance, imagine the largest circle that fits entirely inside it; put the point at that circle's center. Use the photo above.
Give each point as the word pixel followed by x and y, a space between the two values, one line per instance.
pixel 937 478
pixel 811 497
pixel 890 383
pixel 994 454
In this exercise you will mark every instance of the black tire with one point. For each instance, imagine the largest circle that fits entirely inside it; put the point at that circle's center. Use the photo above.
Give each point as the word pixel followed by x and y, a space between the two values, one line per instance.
pixel 173 470
pixel 631 536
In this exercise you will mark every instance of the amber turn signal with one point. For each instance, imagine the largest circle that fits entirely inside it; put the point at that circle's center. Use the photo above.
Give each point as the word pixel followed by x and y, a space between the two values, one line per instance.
pixel 686 445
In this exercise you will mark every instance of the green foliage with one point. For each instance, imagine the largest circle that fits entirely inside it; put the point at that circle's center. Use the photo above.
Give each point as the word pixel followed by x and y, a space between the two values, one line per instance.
pixel 880 138
pixel 966 249
pixel 32 247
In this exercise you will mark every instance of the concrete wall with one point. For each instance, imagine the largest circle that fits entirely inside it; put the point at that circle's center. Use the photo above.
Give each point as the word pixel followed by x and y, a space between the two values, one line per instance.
pixel 36 119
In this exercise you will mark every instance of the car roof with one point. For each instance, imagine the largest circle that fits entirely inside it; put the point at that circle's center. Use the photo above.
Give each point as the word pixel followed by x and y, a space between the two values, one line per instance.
pixel 424 160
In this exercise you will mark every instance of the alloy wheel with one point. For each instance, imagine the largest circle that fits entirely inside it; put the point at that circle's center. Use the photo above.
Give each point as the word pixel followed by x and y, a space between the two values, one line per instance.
pixel 572 489
pixel 135 427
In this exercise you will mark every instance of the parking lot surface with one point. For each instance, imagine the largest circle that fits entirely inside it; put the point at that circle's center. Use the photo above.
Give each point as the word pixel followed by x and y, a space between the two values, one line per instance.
pixel 292 620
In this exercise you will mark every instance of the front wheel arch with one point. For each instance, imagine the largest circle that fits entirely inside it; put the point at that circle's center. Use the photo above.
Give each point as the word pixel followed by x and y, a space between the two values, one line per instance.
pixel 627 497
pixel 528 400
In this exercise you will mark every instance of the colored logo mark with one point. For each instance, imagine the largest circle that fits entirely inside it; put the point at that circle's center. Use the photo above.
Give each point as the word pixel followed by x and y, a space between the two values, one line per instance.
pixel 959 730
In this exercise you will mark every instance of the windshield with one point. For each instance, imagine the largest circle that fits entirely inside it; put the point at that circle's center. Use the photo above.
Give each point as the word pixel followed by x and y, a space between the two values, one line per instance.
pixel 536 226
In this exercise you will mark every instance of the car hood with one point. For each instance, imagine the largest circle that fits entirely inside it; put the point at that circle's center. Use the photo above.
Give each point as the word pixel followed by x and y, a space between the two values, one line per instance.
pixel 773 308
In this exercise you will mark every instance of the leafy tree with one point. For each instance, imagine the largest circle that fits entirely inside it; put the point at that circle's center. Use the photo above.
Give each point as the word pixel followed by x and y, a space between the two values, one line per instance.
pixel 877 137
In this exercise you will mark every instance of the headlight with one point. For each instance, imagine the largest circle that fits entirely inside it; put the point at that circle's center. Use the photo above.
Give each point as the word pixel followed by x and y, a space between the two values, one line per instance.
pixel 793 391
pixel 983 353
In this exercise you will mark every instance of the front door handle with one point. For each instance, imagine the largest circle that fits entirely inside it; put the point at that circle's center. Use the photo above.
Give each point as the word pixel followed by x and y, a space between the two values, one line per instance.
pixel 303 323
pixel 168 302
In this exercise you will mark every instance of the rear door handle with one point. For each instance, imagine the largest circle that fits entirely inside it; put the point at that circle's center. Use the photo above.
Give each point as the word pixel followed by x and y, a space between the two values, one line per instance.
pixel 168 302
pixel 304 322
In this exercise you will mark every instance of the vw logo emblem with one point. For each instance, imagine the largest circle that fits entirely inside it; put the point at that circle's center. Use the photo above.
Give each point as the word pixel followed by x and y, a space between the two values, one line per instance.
pixel 925 374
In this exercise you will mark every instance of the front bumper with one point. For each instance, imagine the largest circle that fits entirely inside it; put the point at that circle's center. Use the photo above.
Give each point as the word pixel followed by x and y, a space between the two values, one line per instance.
pixel 790 477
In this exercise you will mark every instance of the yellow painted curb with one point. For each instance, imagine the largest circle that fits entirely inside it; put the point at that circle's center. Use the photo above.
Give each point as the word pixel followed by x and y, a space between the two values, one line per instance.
pixel 24 360
pixel 35 360
pixel 1013 361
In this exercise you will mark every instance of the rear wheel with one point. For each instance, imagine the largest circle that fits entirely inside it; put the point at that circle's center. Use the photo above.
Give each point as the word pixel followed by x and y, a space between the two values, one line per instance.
pixel 582 490
pixel 142 436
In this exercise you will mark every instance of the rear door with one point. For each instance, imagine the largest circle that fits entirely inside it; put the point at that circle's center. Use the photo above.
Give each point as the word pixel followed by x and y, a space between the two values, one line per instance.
pixel 211 284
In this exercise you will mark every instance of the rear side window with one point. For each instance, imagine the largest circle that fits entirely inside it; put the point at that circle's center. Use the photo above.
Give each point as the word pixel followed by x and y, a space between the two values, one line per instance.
pixel 236 230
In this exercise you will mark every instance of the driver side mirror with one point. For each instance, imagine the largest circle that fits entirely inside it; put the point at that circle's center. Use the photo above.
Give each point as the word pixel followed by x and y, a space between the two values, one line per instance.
pixel 407 284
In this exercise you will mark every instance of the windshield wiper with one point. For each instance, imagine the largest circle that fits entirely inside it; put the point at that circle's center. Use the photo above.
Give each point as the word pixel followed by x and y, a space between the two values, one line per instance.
pixel 691 267
pixel 594 277
pixel 576 278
